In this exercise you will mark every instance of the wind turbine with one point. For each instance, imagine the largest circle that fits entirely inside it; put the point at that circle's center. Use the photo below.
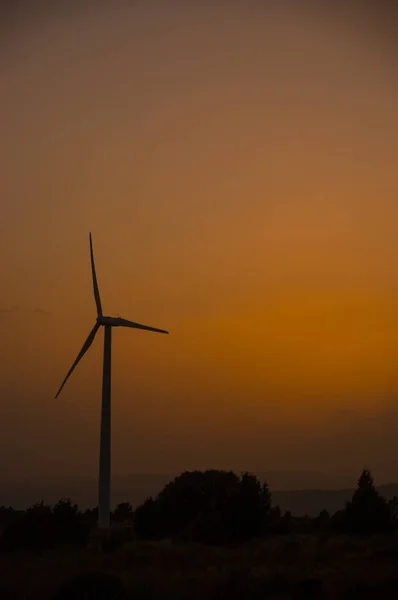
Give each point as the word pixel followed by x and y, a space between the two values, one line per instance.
pixel 104 488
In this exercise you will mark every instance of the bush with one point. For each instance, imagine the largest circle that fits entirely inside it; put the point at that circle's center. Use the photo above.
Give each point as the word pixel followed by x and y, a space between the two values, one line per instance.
pixel 42 527
pixel 211 506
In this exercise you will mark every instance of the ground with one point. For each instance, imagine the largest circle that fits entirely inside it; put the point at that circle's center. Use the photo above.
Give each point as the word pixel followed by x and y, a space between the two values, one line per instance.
pixel 281 567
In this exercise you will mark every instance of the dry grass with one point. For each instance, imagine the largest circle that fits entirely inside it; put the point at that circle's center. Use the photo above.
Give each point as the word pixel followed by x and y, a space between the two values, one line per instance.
pixel 280 567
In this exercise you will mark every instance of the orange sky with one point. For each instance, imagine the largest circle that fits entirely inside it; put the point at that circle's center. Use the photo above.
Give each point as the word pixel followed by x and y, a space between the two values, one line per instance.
pixel 238 169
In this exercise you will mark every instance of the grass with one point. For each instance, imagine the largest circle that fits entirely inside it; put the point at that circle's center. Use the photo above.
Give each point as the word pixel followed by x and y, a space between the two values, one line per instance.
pixel 279 567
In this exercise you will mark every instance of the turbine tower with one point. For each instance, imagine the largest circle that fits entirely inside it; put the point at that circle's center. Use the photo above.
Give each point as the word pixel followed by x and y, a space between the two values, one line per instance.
pixel 104 488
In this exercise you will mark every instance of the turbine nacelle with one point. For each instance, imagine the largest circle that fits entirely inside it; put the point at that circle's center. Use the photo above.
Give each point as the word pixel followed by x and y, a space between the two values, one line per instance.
pixel 112 321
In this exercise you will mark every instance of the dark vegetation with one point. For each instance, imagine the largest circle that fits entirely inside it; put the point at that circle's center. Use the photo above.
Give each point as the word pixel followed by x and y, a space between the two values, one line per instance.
pixel 209 535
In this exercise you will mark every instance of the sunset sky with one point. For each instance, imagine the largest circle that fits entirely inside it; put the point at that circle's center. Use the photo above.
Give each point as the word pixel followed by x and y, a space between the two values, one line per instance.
pixel 236 163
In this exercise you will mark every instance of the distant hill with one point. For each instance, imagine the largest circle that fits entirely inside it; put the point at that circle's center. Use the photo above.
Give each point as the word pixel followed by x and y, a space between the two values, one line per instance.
pixel 136 488
pixel 83 491
pixel 311 502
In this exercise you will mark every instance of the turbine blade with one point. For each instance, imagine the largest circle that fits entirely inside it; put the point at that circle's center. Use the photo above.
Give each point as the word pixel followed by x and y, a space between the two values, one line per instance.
pixel 95 282
pixel 82 352
pixel 119 322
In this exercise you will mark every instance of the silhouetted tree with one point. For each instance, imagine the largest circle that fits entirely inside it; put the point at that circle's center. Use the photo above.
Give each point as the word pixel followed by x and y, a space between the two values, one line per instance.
pixel 278 523
pixel 65 512
pixel 208 527
pixel 192 493
pixel 210 506
pixel 303 524
pixel 248 511
pixel 274 520
pixel 287 522
pixel 8 515
pixel 41 527
pixel 32 530
pixel 123 512
pixel 322 521
pixel 368 511
pixel 68 522
pixel 393 508
pixel 147 522
pixel 90 516
pixel 338 521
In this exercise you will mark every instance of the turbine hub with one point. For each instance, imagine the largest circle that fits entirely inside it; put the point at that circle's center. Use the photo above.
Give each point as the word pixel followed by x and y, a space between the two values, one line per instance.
pixel 107 321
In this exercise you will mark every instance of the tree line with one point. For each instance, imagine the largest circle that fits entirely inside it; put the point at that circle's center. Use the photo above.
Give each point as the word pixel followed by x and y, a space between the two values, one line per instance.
pixel 211 507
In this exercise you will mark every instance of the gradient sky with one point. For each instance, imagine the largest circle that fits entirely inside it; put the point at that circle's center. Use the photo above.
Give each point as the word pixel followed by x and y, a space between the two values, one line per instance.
pixel 237 165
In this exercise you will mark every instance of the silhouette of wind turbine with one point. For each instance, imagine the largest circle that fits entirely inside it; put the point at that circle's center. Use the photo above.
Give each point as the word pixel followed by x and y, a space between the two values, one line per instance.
pixel 104 488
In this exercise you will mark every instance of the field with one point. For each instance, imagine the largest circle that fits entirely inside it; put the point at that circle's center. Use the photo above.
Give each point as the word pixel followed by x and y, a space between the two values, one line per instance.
pixel 280 567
